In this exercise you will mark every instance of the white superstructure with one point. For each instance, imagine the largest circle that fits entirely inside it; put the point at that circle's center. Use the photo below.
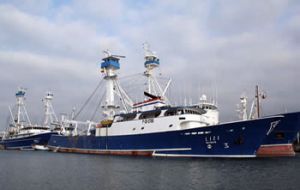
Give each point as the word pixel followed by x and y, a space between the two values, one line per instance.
pixel 211 115
pixel 154 114
pixel 157 120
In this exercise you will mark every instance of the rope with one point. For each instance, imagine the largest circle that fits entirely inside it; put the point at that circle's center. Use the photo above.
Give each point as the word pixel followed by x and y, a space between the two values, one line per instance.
pixel 130 76
pixel 8 119
pixel 87 101
pixel 97 107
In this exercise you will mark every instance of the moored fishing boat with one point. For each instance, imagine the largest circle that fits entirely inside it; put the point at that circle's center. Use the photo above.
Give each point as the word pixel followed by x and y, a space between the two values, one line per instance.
pixel 21 134
pixel 155 128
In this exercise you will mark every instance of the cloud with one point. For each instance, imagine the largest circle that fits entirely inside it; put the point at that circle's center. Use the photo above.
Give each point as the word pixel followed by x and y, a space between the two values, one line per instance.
pixel 203 45
pixel 293 30
pixel 99 9
pixel 38 34
pixel 35 7
pixel 231 18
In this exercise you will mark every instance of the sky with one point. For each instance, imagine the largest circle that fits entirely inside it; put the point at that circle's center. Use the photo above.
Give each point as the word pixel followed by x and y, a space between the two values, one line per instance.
pixel 222 48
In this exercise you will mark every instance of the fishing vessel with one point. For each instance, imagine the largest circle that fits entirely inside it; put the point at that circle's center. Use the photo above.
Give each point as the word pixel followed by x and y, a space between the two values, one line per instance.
pixel 153 127
pixel 21 134
pixel 280 140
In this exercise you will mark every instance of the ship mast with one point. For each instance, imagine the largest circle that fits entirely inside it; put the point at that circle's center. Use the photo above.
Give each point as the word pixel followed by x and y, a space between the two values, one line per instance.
pixel 257 101
pixel 50 116
pixel 109 66
pixel 255 111
pixel 152 62
pixel 259 95
pixel 21 110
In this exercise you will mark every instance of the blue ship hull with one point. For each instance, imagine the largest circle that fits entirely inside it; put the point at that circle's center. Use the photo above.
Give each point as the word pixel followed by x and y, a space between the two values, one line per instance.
pixel 280 141
pixel 26 143
pixel 236 139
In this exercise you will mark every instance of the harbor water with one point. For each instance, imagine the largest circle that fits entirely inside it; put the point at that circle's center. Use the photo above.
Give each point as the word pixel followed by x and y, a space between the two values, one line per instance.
pixel 47 170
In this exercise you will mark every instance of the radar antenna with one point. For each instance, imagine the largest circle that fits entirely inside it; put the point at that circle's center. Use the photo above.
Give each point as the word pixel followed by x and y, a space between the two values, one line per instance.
pixel 108 54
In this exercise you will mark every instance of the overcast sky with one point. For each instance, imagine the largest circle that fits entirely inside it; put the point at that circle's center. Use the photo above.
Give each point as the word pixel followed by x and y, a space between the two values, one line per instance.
pixel 223 46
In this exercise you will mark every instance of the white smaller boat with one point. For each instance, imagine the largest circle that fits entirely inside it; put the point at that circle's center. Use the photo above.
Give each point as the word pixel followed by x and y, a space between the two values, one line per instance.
pixel 40 147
